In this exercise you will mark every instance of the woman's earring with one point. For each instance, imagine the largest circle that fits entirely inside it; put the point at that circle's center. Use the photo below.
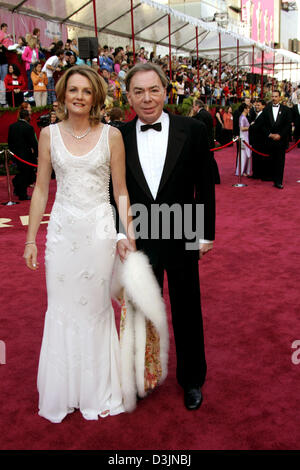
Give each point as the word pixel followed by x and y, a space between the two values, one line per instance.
pixel 66 110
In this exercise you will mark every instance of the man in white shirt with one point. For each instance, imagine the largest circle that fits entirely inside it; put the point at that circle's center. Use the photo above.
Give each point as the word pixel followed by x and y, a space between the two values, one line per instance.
pixel 51 65
pixel 169 166
pixel 277 124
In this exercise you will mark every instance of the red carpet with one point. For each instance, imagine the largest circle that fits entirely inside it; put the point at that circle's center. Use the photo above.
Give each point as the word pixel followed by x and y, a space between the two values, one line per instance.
pixel 250 292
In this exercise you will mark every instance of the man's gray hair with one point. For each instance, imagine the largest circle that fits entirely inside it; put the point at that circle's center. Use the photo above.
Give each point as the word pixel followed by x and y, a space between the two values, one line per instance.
pixel 147 67
pixel 199 103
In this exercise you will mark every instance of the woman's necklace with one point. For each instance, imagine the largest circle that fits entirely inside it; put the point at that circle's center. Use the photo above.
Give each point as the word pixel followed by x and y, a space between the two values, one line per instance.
pixel 78 137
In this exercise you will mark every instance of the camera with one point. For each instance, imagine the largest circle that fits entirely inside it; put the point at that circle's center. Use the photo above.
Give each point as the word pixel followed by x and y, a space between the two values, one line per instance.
pixel 44 120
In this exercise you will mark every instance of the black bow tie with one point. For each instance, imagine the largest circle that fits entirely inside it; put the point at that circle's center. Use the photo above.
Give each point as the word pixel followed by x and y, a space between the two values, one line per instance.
pixel 156 127
pixel 275 105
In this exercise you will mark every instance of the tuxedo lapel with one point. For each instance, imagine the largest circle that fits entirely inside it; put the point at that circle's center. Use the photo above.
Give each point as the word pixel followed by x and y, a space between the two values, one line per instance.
pixel 279 114
pixel 132 158
pixel 176 141
pixel 271 115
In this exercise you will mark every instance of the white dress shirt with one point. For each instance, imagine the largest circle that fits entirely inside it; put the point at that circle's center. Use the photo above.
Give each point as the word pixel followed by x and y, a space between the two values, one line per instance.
pixel 275 110
pixel 152 149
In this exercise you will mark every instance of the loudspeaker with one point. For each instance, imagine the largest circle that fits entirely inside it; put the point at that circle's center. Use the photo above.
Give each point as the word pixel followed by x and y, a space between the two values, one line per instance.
pixel 88 48
pixel 255 78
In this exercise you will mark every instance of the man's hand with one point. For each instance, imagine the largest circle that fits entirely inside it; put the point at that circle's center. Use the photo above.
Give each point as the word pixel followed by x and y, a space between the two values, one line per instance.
pixel 275 136
pixel 124 247
pixel 204 248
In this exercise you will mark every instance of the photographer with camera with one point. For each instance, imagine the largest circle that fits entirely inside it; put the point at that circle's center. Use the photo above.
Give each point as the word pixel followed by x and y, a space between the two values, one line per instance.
pixel 49 118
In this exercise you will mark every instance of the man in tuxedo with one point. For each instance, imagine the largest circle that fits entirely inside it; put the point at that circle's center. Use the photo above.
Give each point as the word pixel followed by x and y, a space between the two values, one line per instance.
pixel 200 113
pixel 23 143
pixel 277 123
pixel 257 139
pixel 296 119
pixel 168 164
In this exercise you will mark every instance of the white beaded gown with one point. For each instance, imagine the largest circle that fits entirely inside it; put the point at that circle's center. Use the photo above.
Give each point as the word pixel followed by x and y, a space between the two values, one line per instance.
pixel 79 366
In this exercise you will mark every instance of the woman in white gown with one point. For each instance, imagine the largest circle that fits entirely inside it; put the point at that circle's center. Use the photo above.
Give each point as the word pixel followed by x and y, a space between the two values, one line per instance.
pixel 79 359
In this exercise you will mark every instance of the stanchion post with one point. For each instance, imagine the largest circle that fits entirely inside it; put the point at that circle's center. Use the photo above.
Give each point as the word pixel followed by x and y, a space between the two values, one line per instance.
pixel 239 184
pixel 10 202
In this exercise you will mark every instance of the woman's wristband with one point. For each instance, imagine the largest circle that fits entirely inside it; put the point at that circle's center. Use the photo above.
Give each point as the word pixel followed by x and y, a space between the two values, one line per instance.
pixel 30 243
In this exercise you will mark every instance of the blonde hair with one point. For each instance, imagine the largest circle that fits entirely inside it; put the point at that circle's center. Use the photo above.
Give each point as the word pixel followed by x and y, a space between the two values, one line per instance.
pixel 98 86
pixel 31 41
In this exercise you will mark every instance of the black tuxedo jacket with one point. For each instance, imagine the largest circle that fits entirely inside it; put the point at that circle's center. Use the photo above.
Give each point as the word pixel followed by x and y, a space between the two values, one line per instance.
pixel 205 117
pixel 257 134
pixel 22 141
pixel 296 120
pixel 187 178
pixel 281 126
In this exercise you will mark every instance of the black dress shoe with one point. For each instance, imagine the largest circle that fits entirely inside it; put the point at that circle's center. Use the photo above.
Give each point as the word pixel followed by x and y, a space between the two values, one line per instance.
pixel 192 398
pixel 24 198
pixel 278 185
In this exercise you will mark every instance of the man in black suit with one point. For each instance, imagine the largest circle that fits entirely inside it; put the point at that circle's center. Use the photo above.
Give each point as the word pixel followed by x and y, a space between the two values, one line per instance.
pixel 296 119
pixel 168 165
pixel 277 123
pixel 23 143
pixel 257 139
pixel 200 113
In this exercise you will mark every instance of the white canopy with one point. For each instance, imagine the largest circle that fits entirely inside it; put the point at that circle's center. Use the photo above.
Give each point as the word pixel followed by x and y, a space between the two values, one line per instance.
pixel 151 26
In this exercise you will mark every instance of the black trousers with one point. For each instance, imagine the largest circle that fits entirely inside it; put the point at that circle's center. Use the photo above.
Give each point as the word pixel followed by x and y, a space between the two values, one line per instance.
pixel 257 164
pixel 15 101
pixel 184 293
pixel 23 179
pixel 215 169
pixel 277 153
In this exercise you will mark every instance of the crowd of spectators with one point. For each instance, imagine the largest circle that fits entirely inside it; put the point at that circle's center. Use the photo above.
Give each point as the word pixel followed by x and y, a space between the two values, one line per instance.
pixel 200 88
pixel 219 87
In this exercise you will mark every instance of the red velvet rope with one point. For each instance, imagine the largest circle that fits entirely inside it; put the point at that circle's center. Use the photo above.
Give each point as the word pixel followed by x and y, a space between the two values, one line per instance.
pixel 266 154
pixel 223 146
pixel 293 146
pixel 212 150
pixel 23 161
pixel 256 151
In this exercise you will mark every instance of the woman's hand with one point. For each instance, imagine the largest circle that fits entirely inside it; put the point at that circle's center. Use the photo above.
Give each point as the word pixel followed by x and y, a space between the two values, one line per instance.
pixel 124 247
pixel 30 255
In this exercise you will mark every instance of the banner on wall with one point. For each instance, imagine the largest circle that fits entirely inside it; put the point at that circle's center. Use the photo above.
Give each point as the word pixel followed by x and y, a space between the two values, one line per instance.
pixel 259 18
pixel 53 30
pixel 21 24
